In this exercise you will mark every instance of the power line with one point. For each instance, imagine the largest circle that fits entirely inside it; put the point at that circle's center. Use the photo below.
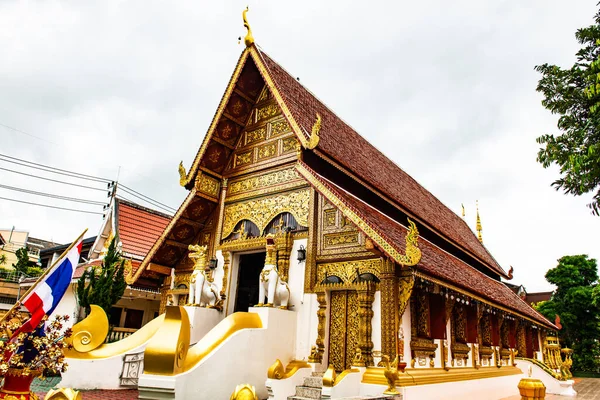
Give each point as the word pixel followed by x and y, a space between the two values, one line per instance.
pixel 54 196
pixel 49 206
pixel 154 205
pixel 53 170
pixel 149 199
pixel 52 180
pixel 25 133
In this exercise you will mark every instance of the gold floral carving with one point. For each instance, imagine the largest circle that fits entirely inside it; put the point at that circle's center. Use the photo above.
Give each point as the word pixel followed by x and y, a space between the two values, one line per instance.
pixel 413 253
pixel 329 217
pixel 343 329
pixel 256 135
pixel 289 144
pixel 243 158
pixel 267 111
pixel 279 127
pixel 423 327
pixel 348 271
pixel 365 316
pixel 266 151
pixel 389 305
pixel 341 238
pixel 226 264
pixel 265 181
pixel 262 211
pixel 208 185
pixel 264 95
pixel 316 355
pixel 406 284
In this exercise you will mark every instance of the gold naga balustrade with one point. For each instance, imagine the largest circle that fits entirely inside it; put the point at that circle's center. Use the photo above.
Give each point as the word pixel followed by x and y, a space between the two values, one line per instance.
pixel 89 336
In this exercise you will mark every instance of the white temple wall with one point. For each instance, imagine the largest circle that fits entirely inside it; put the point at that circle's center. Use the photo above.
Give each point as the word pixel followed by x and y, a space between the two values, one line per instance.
pixel 376 322
pixel 68 306
pixel 218 272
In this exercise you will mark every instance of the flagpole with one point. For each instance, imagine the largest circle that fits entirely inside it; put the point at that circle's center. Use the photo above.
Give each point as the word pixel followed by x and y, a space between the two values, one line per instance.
pixel 18 303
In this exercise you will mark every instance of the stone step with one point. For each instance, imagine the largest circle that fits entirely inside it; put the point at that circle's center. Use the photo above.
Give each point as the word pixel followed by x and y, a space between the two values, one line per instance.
pixel 313 381
pixel 315 373
pixel 310 392
pixel 298 398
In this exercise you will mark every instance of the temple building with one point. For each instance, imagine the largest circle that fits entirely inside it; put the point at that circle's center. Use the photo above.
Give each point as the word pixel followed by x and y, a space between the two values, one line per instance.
pixel 289 207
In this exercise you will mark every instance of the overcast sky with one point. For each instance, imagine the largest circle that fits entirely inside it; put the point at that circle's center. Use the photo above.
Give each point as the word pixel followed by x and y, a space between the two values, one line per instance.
pixel 445 89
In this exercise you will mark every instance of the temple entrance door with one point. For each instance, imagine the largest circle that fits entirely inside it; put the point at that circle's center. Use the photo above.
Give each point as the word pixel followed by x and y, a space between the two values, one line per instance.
pixel 249 270
pixel 343 328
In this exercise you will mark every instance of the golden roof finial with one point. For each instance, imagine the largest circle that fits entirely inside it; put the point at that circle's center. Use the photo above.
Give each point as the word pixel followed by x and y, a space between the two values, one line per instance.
pixel 249 39
pixel 463 210
pixel 478 225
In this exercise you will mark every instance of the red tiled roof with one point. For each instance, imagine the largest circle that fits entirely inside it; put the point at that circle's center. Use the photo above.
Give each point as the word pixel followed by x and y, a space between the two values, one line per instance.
pixel 139 227
pixel 434 261
pixel 343 144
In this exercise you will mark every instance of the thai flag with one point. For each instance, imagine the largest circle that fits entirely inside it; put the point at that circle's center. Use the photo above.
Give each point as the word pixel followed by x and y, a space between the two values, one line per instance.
pixel 50 289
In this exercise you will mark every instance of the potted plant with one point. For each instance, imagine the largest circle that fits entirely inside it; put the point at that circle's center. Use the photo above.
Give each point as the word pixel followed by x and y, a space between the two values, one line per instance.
pixel 30 354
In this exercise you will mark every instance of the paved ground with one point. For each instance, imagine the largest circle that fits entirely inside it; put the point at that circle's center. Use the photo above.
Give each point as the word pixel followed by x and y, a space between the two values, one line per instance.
pixel 105 395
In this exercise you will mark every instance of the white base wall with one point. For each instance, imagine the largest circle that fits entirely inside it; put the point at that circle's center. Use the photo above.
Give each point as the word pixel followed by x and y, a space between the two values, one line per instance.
pixel 244 357
pixel 481 389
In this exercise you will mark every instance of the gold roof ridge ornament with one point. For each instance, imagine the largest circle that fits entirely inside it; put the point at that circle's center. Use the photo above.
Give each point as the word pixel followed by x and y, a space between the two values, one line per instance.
pixel 313 139
pixel 413 252
pixel 184 179
pixel 478 224
pixel 249 39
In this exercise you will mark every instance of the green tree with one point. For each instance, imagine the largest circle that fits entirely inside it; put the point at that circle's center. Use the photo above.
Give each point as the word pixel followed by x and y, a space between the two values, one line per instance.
pixel 103 285
pixel 24 265
pixel 575 301
pixel 574 94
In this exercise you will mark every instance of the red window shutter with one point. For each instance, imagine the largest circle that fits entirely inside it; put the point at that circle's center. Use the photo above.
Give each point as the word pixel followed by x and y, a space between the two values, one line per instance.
pixel 472 325
pixel 437 311
pixel 495 330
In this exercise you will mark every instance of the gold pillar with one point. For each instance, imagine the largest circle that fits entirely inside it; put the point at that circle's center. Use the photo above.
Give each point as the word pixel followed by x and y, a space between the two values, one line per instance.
pixel 366 295
pixel 284 242
pixel 219 231
pixel 316 355
pixel 310 269
pixel 521 342
pixel 226 265
pixel 389 305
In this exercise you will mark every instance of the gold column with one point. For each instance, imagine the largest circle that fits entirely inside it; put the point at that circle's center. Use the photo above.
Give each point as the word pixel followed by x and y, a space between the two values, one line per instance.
pixel 521 342
pixel 217 241
pixel 284 242
pixel 389 305
pixel 366 295
pixel 226 264
pixel 316 355
pixel 310 269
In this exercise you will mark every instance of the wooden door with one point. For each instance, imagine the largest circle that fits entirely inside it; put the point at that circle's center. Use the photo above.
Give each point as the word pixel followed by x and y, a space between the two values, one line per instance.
pixel 343 328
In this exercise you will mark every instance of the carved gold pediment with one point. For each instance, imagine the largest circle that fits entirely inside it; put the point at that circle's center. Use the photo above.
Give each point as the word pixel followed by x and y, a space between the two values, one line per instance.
pixel 261 211
pixel 348 271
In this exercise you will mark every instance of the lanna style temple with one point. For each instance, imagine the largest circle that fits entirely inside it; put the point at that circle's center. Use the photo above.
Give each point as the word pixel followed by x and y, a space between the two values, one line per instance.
pixel 286 199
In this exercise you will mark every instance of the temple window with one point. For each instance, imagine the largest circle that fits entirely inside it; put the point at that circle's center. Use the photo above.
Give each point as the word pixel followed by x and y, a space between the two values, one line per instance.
pixel 284 221
pixel 438 316
pixel 472 336
pixel 495 330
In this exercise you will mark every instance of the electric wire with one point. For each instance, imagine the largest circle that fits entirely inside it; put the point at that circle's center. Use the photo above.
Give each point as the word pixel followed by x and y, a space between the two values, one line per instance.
pixel 140 195
pixel 25 133
pixel 53 170
pixel 49 206
pixel 154 205
pixel 54 196
pixel 52 180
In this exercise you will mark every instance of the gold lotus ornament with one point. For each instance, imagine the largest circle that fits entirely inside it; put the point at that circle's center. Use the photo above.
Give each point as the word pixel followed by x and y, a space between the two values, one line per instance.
pixel 63 394
pixel 244 392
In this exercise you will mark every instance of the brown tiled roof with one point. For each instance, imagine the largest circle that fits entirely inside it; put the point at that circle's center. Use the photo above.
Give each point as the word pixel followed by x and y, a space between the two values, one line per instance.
pixel 344 145
pixel 434 261
pixel 532 298
pixel 139 227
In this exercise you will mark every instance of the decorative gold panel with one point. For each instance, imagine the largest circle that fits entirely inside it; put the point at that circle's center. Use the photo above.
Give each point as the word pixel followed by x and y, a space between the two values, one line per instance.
pixel 340 239
pixel 289 144
pixel 256 135
pixel 243 158
pixel 343 329
pixel 348 271
pixel 267 111
pixel 264 183
pixel 208 185
pixel 262 211
pixel 279 127
pixel 329 218
pixel 266 151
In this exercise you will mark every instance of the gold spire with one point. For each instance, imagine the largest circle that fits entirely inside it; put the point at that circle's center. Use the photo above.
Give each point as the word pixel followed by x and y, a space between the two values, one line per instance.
pixel 478 225
pixel 249 39
pixel 463 210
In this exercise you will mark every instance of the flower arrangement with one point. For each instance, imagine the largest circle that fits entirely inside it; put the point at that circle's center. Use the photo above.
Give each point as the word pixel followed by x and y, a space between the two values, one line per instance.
pixel 36 352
